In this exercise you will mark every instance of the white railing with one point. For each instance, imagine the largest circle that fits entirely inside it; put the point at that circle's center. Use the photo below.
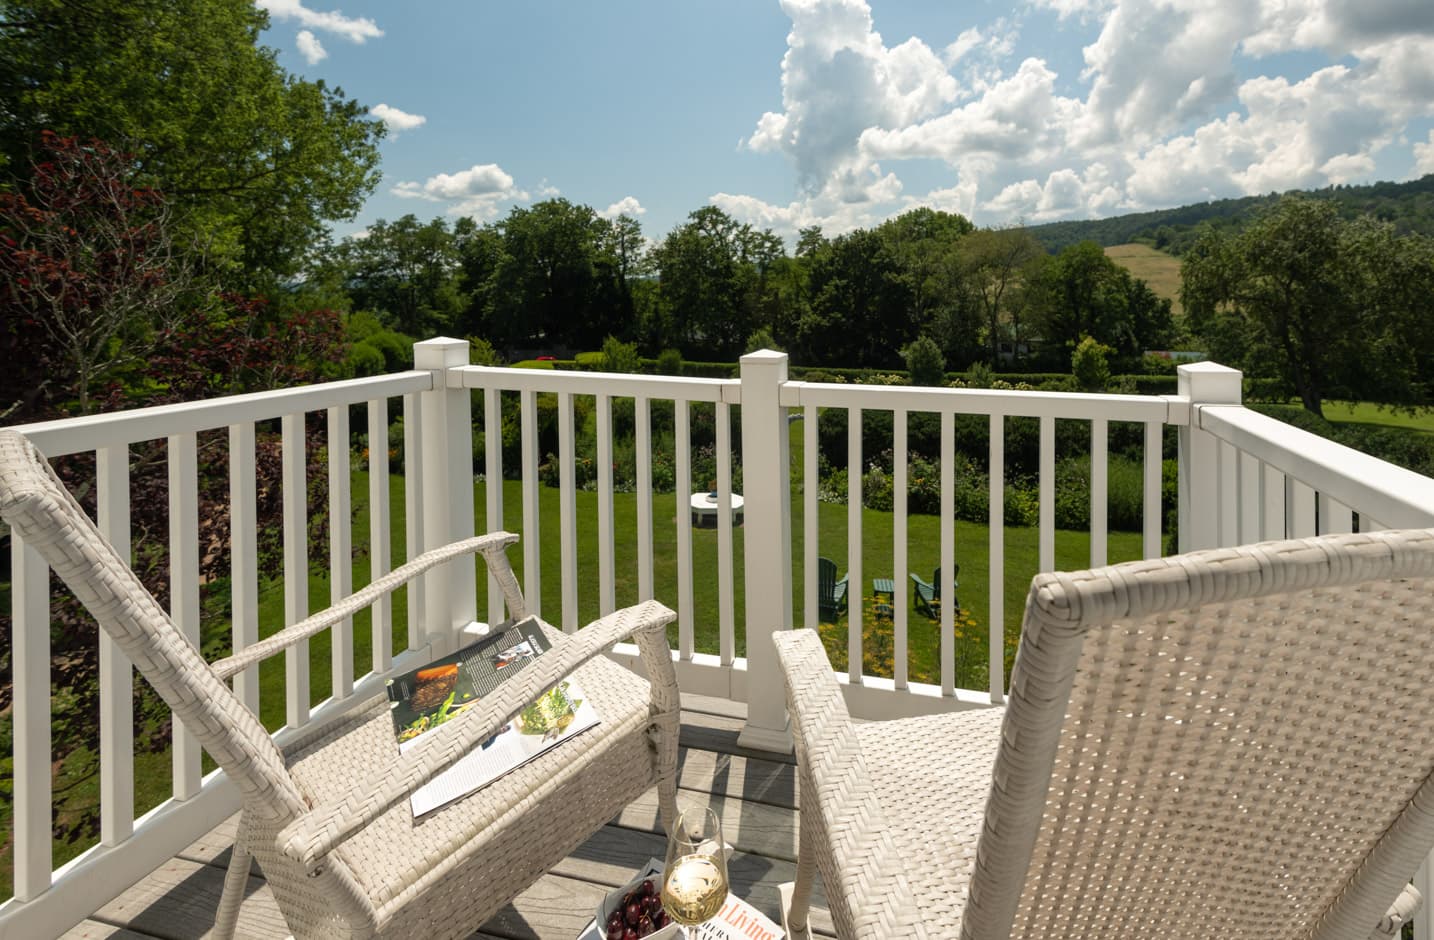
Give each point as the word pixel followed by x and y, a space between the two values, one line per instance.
pixel 46 902
pixel 1243 477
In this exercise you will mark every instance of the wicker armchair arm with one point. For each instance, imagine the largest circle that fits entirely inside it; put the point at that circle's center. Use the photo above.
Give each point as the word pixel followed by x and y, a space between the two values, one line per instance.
pixel 490 545
pixel 1401 912
pixel 860 865
pixel 312 836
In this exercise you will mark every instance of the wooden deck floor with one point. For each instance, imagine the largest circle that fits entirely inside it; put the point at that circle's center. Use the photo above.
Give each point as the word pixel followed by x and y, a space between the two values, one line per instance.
pixel 754 793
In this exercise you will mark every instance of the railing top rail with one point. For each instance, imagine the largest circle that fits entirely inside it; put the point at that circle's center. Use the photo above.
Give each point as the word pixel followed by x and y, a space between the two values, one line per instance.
pixel 1370 486
pixel 117 428
pixel 590 383
pixel 1168 409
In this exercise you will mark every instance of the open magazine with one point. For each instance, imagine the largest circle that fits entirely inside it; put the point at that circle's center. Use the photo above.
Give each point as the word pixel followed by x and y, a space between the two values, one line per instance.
pixel 444 689
pixel 737 920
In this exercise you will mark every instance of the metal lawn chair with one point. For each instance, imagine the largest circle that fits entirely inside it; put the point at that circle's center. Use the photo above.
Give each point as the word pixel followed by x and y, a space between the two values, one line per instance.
pixel 328 817
pixel 1232 743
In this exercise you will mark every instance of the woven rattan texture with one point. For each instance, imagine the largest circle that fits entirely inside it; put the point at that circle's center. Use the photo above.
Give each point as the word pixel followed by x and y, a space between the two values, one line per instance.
pixel 938 798
pixel 336 839
pixel 1232 766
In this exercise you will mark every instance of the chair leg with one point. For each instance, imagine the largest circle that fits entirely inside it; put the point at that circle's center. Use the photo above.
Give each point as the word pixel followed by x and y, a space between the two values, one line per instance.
pixel 797 911
pixel 667 801
pixel 235 880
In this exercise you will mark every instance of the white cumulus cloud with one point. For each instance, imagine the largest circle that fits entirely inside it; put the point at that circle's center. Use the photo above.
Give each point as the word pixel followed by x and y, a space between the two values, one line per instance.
pixel 354 29
pixel 476 191
pixel 310 48
pixel 838 79
pixel 395 119
pixel 627 205
pixel 1178 101
pixel 1424 156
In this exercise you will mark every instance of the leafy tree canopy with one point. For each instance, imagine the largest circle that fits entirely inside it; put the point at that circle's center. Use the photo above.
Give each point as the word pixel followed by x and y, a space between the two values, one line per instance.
pixel 256 160
pixel 1315 300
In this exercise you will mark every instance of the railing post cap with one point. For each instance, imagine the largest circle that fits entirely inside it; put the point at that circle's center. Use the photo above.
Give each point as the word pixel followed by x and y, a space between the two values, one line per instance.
pixel 766 359
pixel 764 356
pixel 441 352
pixel 1210 382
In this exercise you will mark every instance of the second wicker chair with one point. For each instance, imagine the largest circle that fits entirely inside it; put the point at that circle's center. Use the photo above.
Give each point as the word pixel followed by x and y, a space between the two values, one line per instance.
pixel 1231 744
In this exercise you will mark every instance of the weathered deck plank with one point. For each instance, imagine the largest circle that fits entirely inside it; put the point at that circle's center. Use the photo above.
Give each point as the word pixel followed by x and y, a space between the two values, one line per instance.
pixel 755 792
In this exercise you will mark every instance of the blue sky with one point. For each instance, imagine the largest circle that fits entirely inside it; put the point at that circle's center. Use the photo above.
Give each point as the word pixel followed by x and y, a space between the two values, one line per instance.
pixel 842 113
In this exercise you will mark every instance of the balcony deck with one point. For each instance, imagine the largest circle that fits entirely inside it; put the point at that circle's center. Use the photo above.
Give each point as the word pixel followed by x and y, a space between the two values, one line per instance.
pixel 756 794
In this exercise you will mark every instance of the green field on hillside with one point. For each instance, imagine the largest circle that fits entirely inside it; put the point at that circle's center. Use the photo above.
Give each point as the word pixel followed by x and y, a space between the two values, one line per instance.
pixel 1156 268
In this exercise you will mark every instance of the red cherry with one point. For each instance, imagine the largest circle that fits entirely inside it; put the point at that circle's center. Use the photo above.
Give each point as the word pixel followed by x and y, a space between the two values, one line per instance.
pixel 633 913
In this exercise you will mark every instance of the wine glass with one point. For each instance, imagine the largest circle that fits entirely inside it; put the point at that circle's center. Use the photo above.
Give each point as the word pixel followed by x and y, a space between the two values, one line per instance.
pixel 694 884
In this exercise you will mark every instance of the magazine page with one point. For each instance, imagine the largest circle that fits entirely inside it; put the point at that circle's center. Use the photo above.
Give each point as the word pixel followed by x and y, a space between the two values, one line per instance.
pixel 737 920
pixel 444 689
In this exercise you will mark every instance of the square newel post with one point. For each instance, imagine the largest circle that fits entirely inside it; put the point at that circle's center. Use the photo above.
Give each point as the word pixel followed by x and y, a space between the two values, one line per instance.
pixel 1202 383
pixel 767 544
pixel 447 435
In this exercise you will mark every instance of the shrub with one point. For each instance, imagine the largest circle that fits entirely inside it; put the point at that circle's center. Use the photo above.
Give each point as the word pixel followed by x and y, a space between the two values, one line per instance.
pixel 1125 494
pixel 761 338
pixel 925 362
pixel 482 353
pixel 618 356
pixel 979 375
pixel 669 362
pixel 1090 364
pixel 363 359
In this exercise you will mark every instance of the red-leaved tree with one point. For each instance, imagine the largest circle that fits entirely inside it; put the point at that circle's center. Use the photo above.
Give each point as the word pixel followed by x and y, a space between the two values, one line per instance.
pixel 87 262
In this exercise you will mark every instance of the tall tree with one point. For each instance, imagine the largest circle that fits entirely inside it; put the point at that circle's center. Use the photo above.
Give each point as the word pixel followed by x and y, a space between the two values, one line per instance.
pixel 1313 299
pixel 1086 294
pixel 256 161
pixel 406 270
pixel 861 305
pixel 921 243
pixel 547 280
pixel 997 264
pixel 621 259
pixel 705 275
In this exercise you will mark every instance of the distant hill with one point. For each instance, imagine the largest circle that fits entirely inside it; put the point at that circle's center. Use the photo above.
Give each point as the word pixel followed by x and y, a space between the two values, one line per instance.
pixel 1409 206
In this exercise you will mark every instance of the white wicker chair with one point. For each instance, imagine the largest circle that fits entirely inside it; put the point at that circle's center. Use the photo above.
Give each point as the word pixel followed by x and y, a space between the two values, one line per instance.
pixel 328 818
pixel 1227 744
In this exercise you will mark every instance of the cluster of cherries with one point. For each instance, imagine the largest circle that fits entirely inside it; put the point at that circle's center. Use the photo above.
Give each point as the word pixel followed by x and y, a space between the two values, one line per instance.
pixel 639 914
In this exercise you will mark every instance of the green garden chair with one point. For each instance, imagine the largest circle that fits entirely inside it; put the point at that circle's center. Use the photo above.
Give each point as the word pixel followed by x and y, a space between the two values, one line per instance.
pixel 831 593
pixel 927 596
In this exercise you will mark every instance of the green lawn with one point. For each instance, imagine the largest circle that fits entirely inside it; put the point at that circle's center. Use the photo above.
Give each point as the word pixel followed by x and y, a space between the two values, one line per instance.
pixel 923 554
pixel 1363 412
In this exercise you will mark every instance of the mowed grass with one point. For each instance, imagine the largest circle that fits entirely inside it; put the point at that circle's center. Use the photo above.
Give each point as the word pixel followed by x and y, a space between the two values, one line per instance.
pixel 1156 268
pixel 1363 412
pixel 877 552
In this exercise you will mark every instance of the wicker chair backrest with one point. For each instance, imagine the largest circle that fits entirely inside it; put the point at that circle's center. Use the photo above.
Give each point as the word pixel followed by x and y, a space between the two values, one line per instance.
pixel 1234 743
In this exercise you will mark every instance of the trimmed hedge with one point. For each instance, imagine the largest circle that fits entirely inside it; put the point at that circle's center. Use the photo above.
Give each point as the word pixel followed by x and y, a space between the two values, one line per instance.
pixel 1143 384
